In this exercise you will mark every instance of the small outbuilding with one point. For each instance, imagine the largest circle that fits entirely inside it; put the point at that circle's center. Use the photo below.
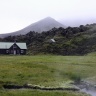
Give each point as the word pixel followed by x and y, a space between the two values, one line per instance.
pixel 52 40
pixel 13 48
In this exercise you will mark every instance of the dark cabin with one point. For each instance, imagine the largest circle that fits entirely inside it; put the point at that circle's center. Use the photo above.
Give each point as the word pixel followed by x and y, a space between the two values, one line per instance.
pixel 13 48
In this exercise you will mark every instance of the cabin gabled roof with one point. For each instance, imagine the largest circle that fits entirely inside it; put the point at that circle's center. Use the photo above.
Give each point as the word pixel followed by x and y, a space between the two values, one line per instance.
pixel 7 45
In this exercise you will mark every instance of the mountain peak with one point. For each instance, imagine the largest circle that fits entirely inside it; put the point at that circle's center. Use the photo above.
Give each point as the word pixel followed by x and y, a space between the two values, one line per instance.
pixel 49 17
pixel 45 24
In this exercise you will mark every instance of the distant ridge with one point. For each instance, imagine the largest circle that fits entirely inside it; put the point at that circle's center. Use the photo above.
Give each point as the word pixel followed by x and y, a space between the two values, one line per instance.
pixel 40 26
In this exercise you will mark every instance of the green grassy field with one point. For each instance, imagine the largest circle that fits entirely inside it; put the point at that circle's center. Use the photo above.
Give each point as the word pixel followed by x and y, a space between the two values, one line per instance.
pixel 39 93
pixel 45 70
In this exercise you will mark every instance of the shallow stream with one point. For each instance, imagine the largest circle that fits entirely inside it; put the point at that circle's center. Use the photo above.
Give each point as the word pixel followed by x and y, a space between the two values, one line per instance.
pixel 92 92
pixel 88 88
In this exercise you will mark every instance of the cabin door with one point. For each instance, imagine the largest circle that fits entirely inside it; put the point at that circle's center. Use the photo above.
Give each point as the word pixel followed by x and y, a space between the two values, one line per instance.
pixel 14 52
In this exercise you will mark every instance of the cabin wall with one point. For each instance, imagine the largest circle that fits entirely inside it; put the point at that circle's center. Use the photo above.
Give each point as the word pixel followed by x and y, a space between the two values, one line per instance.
pixel 11 51
pixel 2 51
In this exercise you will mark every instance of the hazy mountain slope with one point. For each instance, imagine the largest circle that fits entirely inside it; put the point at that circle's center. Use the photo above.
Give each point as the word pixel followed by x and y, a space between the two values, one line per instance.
pixel 40 26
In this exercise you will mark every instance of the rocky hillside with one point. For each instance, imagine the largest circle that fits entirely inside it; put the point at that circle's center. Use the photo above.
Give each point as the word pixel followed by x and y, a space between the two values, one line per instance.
pixel 63 41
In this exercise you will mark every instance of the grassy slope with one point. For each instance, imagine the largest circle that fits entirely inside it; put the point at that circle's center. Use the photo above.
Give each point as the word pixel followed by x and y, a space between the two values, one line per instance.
pixel 44 70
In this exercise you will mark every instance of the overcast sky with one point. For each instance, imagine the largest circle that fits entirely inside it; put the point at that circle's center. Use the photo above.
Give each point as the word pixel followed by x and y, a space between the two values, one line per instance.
pixel 17 14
